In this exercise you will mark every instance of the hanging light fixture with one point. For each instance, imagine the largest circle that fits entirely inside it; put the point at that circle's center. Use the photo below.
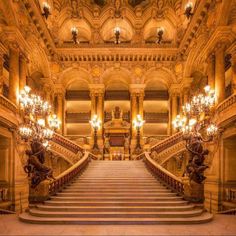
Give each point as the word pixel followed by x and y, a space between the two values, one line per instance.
pixel 188 10
pixel 197 127
pixel 160 32
pixel 74 32
pixel 117 31
pixel 46 10
pixel 37 129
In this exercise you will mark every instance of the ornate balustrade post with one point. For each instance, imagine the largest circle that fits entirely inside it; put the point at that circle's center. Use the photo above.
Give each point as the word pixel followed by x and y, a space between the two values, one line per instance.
pixel 220 72
pixel 13 72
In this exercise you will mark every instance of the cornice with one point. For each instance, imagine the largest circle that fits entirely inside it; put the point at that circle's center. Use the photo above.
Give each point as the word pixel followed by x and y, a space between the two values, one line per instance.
pixel 223 34
pixel 11 34
pixel 117 54
pixel 40 25
pixel 194 24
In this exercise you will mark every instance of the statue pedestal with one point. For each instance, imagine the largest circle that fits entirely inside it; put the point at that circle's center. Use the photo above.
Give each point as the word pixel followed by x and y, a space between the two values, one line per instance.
pixel 193 191
pixel 40 193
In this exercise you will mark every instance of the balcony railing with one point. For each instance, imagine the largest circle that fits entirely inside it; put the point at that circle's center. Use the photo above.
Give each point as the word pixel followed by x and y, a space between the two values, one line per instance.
pixel 4 102
pixel 226 103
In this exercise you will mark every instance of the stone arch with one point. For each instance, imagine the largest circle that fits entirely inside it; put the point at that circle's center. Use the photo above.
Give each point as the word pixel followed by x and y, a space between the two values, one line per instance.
pixel 73 74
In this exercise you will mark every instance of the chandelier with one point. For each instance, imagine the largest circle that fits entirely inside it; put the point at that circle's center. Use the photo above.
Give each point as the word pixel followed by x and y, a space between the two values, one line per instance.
pixel 197 126
pixel 37 129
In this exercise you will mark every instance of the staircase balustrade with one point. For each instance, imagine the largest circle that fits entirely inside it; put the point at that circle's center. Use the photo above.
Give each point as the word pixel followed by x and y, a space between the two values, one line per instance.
pixel 165 176
pixel 226 103
pixel 68 175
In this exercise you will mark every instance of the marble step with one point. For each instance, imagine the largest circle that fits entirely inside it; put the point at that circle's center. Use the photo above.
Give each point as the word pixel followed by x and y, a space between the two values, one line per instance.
pixel 115 191
pixel 116 214
pixel 115 203
pixel 43 207
pixel 114 199
pixel 205 217
pixel 118 194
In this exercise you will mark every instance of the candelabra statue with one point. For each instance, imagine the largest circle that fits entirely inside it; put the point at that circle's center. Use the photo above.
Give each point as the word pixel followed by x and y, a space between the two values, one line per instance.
pixel 198 128
pixel 138 123
pixel 95 123
pixel 37 129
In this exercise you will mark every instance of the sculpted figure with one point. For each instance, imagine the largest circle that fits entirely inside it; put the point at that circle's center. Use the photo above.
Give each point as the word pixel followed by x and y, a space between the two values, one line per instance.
pixel 196 167
pixel 35 166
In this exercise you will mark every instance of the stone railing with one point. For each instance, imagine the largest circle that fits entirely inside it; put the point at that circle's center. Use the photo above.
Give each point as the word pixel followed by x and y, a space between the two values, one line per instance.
pixel 68 175
pixel 4 102
pixel 67 144
pixel 227 103
pixel 167 143
pixel 173 182
pixel 230 195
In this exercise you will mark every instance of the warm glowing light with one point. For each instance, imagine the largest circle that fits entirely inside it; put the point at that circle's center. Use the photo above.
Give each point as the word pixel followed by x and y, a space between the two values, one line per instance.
pixel 74 30
pixel 41 122
pixel 95 122
pixel 117 29
pixel 138 122
pixel 212 130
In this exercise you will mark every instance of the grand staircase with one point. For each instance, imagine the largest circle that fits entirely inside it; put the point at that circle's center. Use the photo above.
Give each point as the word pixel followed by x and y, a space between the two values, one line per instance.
pixel 116 192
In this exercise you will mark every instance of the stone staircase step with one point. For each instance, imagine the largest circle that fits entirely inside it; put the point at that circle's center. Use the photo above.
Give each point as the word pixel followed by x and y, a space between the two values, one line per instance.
pixel 115 208
pixel 116 214
pixel 205 217
pixel 114 199
pixel 116 193
pixel 115 203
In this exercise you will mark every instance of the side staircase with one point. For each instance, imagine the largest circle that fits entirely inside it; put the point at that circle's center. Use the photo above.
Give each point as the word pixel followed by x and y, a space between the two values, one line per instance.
pixel 116 192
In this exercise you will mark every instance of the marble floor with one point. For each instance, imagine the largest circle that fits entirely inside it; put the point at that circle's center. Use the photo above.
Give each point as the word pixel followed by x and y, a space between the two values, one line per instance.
pixel 221 225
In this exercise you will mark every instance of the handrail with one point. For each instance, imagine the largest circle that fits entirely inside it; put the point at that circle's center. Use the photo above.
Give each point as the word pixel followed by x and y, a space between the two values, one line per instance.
pixel 226 103
pixel 4 211
pixel 65 177
pixel 7 104
pixel 228 212
pixel 164 175
pixel 66 143
pixel 168 142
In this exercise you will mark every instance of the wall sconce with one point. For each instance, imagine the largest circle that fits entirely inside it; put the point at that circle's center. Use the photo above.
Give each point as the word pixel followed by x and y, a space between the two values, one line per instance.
pixel 188 10
pixel 117 35
pixel 160 32
pixel 74 32
pixel 46 10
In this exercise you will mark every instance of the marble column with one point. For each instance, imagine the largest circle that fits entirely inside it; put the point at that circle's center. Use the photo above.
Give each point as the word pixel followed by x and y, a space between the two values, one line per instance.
pixel 211 71
pixel 13 73
pixel 60 109
pixel 100 109
pixel 185 96
pixel 174 109
pixel 22 72
pixel 220 73
pixel 133 112
pixel 1 74
pixel 140 110
pixel 233 82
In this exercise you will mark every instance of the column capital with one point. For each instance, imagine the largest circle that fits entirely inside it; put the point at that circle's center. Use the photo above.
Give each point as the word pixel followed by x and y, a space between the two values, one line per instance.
pixel 175 89
pixel 137 89
pixel 97 89
pixel 220 46
pixel 59 90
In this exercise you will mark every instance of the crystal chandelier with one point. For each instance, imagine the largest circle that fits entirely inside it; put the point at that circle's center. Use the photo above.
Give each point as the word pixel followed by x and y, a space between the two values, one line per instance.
pixel 96 124
pixel 197 127
pixel 37 129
